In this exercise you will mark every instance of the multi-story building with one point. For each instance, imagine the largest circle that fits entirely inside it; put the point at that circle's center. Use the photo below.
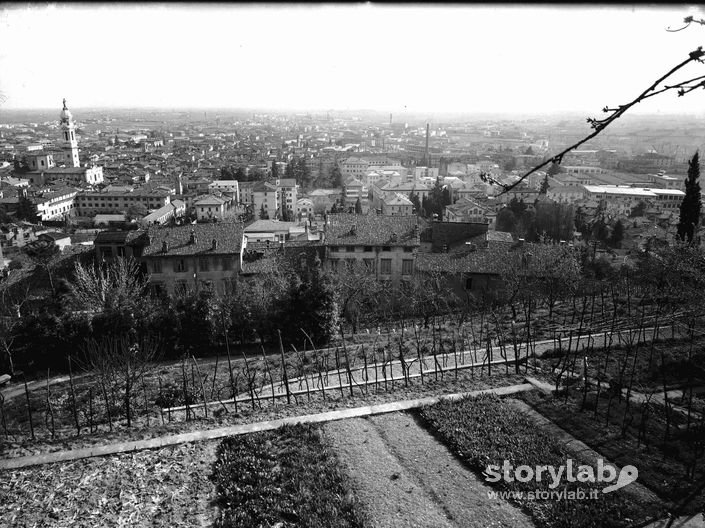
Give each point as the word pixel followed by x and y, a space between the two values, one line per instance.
pixel 355 189
pixel 227 187
pixel 287 189
pixel 90 203
pixel 304 208
pixel 209 207
pixel 70 175
pixel 199 257
pixel 385 245
pixel 55 204
pixel 397 205
pixel 465 210
pixel 622 199
pixel 265 198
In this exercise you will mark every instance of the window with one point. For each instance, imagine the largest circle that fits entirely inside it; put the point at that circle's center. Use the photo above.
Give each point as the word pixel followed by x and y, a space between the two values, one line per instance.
pixel 386 248
pixel 156 266
pixel 334 248
pixel 334 264
pixel 107 252
pixel 370 265
pixel 386 267
pixel 180 265
pixel 181 287
pixel 468 283
pixel 408 249
pixel 350 249
pixel 407 267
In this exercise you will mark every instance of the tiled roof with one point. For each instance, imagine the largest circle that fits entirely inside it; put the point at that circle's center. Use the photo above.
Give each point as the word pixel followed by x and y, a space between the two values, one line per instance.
pixel 116 237
pixel 397 199
pixel 261 186
pixel 495 259
pixel 228 235
pixel 371 230
pixel 499 236
pixel 208 199
pixel 269 226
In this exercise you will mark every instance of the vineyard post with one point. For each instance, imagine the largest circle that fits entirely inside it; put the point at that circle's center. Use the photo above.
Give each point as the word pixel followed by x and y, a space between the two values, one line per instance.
pixel 185 388
pixel 29 407
pixel 2 415
pixel 107 401
pixel 347 360
pixel 200 379
pixel 73 399
pixel 286 379
pixel 230 366
pixel 90 409
pixel 269 374
pixel 161 399
pixel 215 375
pixel 50 409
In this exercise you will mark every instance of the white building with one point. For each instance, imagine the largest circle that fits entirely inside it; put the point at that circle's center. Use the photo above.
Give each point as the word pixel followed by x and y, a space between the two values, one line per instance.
pixel 227 187
pixel 209 207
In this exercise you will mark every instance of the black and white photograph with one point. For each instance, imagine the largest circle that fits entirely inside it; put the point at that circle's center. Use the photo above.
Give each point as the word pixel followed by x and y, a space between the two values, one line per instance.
pixel 352 265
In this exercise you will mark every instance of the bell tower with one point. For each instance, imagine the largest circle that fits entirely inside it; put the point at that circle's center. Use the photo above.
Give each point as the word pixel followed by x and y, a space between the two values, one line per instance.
pixel 69 145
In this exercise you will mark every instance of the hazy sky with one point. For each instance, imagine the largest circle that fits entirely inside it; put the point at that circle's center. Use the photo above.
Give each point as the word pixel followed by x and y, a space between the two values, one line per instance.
pixel 395 58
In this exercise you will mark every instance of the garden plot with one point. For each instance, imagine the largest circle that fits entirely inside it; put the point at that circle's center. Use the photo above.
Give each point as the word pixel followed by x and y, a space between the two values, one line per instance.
pixel 487 430
pixel 165 487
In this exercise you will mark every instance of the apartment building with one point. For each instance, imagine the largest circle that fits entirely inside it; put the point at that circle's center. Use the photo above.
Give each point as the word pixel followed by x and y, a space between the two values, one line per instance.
pixel 385 245
pixel 118 200
pixel 199 257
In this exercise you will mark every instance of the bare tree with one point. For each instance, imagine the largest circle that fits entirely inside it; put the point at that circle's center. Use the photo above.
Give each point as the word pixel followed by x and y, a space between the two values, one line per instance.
pixel 120 363
pixel 598 125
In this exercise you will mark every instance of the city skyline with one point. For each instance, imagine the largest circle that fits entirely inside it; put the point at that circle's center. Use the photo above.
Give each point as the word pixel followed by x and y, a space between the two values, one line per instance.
pixel 406 59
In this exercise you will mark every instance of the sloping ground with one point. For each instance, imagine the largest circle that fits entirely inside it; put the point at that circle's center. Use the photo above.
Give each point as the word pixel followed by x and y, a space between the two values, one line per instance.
pixel 407 478
pixel 165 487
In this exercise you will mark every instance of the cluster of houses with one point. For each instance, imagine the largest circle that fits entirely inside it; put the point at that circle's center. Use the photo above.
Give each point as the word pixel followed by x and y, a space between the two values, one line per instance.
pixel 392 249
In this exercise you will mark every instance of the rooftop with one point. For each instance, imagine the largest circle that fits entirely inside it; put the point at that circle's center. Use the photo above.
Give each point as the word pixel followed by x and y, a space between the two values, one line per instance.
pixel 371 230
pixel 227 234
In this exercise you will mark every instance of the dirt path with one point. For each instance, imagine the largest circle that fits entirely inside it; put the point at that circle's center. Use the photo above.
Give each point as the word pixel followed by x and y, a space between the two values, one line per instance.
pixel 409 479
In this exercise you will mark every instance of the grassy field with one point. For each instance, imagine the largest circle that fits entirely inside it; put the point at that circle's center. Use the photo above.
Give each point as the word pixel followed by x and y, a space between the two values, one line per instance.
pixel 288 478
pixel 486 430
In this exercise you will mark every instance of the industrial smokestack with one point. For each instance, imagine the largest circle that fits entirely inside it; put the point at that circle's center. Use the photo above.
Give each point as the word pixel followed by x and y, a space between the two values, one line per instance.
pixel 426 155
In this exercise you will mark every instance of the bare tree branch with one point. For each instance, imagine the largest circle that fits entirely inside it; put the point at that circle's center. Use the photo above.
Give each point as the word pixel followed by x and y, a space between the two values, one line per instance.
pixel 600 124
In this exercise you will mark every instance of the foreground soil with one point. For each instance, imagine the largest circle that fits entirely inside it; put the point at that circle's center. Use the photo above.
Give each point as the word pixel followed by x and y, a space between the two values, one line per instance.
pixel 406 478
pixel 166 487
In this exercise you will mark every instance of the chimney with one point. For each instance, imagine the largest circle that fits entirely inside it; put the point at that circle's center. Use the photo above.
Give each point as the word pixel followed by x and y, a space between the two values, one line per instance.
pixel 394 237
pixel 214 244
pixel 165 247
pixel 353 230
pixel 192 238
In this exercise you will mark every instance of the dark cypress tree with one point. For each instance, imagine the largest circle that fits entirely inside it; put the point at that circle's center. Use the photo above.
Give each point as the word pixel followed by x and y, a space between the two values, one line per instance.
pixel 691 205
pixel 544 185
